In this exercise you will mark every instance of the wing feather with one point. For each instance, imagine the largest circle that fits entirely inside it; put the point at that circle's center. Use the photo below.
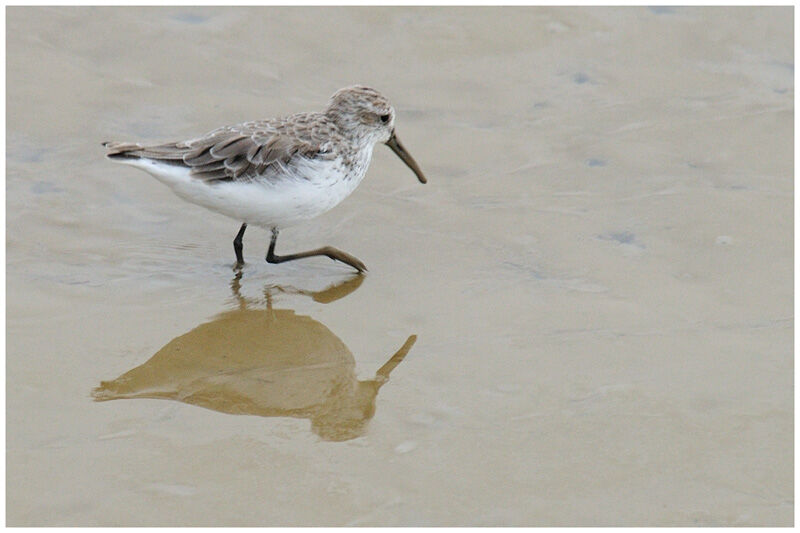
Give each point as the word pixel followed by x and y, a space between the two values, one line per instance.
pixel 242 152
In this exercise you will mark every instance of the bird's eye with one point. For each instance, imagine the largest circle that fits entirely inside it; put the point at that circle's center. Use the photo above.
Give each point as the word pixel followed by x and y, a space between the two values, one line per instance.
pixel 384 118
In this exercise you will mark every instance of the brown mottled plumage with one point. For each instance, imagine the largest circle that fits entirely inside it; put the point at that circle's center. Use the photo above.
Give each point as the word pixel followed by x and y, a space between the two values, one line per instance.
pixel 242 151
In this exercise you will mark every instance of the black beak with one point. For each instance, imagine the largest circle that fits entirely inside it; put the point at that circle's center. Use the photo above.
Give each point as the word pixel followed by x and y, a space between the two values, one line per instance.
pixel 394 144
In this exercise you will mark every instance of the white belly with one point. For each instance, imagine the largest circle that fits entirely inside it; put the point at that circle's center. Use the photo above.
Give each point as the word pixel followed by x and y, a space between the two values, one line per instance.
pixel 275 201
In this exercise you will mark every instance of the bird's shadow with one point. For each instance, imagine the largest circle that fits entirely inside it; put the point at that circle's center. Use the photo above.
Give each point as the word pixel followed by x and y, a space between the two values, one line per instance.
pixel 259 360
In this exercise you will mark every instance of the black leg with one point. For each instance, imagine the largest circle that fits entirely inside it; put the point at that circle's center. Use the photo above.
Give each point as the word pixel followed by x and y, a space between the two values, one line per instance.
pixel 237 245
pixel 328 251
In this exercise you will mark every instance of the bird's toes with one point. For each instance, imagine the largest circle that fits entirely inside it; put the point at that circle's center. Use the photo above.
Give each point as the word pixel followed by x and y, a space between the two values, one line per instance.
pixel 348 259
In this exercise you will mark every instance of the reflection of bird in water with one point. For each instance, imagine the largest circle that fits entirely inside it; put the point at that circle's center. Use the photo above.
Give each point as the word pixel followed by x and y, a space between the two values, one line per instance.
pixel 265 362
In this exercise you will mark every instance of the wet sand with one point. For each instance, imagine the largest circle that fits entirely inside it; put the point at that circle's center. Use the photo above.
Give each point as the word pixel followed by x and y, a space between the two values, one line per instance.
pixel 586 313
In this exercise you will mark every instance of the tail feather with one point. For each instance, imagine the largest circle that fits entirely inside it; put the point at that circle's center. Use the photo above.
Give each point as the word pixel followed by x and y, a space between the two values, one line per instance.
pixel 122 150
pixel 164 152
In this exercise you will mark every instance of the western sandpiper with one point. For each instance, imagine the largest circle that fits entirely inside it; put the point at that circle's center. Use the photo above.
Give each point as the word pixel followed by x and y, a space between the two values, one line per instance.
pixel 277 172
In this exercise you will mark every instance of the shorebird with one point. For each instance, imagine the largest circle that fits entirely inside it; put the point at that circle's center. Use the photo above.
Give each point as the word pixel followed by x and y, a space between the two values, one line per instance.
pixel 277 172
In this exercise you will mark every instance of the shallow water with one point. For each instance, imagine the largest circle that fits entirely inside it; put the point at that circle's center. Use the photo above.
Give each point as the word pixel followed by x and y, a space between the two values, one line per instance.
pixel 586 313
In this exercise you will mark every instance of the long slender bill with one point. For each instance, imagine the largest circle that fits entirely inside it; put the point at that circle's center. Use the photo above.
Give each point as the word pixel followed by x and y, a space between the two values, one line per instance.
pixel 399 149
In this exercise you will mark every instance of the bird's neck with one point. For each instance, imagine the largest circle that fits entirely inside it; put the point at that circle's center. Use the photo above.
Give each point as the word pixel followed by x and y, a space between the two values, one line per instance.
pixel 350 128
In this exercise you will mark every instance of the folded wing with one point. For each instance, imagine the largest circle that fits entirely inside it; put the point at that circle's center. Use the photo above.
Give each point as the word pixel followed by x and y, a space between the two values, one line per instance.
pixel 230 153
